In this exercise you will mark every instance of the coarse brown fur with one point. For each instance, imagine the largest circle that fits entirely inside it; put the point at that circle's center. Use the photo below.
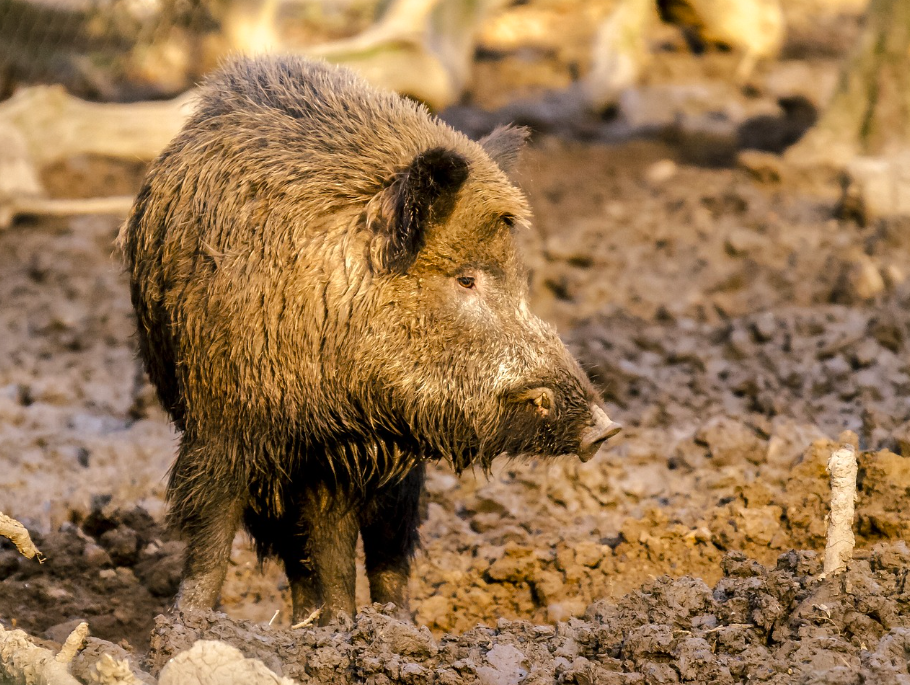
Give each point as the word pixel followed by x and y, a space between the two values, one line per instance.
pixel 328 294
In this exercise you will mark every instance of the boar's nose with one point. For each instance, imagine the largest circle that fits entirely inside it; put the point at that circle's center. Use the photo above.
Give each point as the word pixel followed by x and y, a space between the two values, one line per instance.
pixel 595 436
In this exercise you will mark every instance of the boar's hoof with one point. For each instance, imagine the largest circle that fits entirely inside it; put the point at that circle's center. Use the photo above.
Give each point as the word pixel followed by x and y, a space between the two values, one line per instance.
pixel 595 436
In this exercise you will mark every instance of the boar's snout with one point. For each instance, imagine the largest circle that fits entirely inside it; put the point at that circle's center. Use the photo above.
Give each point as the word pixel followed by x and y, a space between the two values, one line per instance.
pixel 597 434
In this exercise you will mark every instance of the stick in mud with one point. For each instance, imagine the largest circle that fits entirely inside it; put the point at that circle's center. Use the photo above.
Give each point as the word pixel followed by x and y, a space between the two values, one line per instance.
pixel 21 661
pixel 308 620
pixel 14 531
pixel 74 643
pixel 840 541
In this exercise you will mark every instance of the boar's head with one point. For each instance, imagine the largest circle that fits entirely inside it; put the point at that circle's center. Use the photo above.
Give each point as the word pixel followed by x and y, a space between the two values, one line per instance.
pixel 453 357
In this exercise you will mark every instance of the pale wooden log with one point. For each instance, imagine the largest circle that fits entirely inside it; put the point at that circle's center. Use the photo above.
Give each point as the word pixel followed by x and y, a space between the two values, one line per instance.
pixel 118 205
pixel 12 208
pixel 420 48
pixel 753 28
pixel 620 53
pixel 56 125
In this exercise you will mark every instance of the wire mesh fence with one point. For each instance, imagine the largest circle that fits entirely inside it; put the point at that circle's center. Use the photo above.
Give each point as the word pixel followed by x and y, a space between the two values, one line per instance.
pixel 125 50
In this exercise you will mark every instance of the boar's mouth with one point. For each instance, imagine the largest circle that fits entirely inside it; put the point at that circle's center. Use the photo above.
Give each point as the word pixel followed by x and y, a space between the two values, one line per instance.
pixel 541 421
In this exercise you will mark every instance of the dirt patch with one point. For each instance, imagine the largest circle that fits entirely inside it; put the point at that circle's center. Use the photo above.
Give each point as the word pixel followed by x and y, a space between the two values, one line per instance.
pixel 775 624
pixel 114 571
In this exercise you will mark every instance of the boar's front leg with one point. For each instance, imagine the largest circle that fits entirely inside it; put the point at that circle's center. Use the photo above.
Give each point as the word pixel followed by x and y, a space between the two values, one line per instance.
pixel 320 560
pixel 389 524
pixel 206 509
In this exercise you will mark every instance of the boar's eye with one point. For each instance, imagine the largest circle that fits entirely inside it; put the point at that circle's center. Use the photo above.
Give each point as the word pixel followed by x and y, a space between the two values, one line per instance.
pixel 466 281
pixel 508 220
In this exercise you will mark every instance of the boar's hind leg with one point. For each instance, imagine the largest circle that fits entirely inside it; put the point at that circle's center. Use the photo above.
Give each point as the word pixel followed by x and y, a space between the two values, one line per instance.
pixel 320 559
pixel 389 526
pixel 206 510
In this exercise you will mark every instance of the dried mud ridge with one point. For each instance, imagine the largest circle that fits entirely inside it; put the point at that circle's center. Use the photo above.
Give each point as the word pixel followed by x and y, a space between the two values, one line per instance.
pixel 775 624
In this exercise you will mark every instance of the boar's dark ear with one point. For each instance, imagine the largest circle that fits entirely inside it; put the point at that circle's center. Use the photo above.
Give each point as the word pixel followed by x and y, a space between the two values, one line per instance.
pixel 398 214
pixel 504 145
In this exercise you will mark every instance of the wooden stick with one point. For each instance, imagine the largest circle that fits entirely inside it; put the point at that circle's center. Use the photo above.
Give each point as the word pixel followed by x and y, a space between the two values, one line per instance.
pixel 32 205
pixel 11 529
pixel 74 642
pixel 42 206
pixel 840 540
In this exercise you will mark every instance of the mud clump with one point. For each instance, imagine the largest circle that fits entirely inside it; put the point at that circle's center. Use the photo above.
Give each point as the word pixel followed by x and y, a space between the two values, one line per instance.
pixel 777 624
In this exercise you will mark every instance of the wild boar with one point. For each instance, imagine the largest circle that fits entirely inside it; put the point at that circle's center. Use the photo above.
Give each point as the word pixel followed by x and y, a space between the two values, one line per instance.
pixel 328 296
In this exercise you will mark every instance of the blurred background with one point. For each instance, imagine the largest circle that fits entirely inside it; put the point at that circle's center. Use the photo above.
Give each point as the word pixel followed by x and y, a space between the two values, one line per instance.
pixel 711 77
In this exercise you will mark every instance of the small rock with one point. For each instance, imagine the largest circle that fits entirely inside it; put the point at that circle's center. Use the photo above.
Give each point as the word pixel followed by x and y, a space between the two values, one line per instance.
pixel 507 666
pixel 742 241
pixel 122 544
pixel 764 327
pixel 95 555
pixel 562 611
pixel 548 586
pixel 788 442
pixel 217 663
pixel 74 454
pixel 866 279
pixel 661 171
pixel 866 353
pixel 516 565
pixel 876 187
pixel 709 140
pixel 589 553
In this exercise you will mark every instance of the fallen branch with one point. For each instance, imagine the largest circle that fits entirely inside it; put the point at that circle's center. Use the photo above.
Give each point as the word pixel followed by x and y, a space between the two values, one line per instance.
pixel 840 541
pixel 620 53
pixel 14 531
pixel 420 48
pixel 308 620
pixel 57 126
pixel 24 663
pixel 118 205
pixel 74 642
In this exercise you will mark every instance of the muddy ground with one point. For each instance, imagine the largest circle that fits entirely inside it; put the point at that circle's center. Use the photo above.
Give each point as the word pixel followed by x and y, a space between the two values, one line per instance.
pixel 736 326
